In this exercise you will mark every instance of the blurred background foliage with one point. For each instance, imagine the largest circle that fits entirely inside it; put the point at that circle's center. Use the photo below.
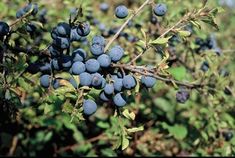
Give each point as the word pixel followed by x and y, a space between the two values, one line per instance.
pixel 37 122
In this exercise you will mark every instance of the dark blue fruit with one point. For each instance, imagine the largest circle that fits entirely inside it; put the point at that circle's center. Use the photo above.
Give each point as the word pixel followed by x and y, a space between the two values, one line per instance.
pixel 89 107
pixel 83 29
pixel 54 51
pixel 96 79
pixel 78 67
pixel 73 82
pixel 55 64
pixel 33 68
pixel 103 96
pixel 104 60
pixel 98 40
pixel 85 79
pixel 28 7
pixel 129 82
pixel 160 9
pixel 104 7
pixel 35 9
pixel 182 96
pixel 31 28
pixel 121 12
pixel 109 89
pixel 228 135
pixel 20 13
pixel 56 83
pixel 45 81
pixel 45 68
pixel 63 29
pixel 119 100
pixel 74 36
pixel 79 55
pixel 205 66
pixel 148 81
pixel 4 28
pixel 97 49
pixel 92 65
pixel 118 84
pixel 65 62
pixel 61 42
pixel 116 53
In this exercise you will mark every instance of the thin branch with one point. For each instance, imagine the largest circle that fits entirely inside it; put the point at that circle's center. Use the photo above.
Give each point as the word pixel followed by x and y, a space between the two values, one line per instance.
pixel 125 24
pixel 13 146
pixel 147 73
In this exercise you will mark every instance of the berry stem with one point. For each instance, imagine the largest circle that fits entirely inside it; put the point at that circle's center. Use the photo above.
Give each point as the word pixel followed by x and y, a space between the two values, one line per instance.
pixel 126 22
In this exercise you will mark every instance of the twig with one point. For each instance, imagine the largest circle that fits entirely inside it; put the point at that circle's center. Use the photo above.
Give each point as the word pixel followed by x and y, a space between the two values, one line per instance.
pixel 126 22
pixel 147 73
pixel 18 20
pixel 13 146
pixel 71 147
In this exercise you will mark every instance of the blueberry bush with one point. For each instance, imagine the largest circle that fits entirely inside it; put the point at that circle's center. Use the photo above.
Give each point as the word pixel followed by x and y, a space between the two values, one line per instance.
pixel 117 78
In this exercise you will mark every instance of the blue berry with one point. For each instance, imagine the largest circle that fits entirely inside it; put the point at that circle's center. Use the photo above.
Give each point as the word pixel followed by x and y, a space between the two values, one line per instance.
pixel 119 100
pixel 63 29
pixel 45 68
pixel 182 96
pixel 92 65
pixel 109 89
pixel 61 42
pixel 79 55
pixel 205 66
pixel 148 81
pixel 160 9
pixel 27 8
pixel 98 40
pixel 103 96
pixel 85 79
pixel 4 28
pixel 129 82
pixel 121 12
pixel 55 64
pixel 73 82
pixel 78 67
pixel 89 107
pixel 54 51
pixel 97 49
pixel 31 28
pixel 35 9
pixel 20 13
pixel 65 61
pixel 74 36
pixel 96 80
pixel 116 53
pixel 33 68
pixel 83 29
pixel 56 83
pixel 118 84
pixel 45 81
pixel 104 60
pixel 104 7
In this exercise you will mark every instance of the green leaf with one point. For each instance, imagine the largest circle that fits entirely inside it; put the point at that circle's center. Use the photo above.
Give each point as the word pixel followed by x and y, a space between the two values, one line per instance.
pixel 184 33
pixel 178 131
pixel 178 73
pixel 135 129
pixel 125 142
pixel 160 41
pixel 129 115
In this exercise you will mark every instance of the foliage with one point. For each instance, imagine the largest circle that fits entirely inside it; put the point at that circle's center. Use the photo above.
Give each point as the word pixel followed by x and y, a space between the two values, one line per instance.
pixel 36 121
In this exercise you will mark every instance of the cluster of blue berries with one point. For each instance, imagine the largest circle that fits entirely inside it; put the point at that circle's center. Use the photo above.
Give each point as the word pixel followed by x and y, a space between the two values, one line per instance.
pixel 94 71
